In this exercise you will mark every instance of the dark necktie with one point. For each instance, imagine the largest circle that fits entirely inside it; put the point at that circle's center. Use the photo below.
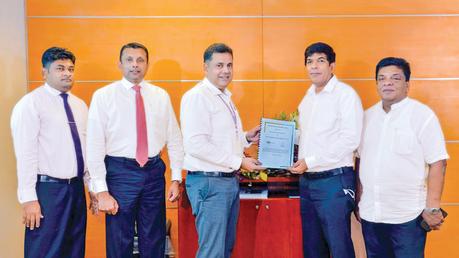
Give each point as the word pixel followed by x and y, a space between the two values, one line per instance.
pixel 75 136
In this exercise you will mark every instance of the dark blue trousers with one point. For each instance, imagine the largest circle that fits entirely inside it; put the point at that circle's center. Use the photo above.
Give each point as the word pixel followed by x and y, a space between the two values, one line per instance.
pixel 140 193
pixel 406 240
pixel 63 228
pixel 326 206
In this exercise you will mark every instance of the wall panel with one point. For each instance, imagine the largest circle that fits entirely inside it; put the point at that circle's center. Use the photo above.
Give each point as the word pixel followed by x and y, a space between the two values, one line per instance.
pixel 144 7
pixel 427 42
pixel 176 45
pixel 358 7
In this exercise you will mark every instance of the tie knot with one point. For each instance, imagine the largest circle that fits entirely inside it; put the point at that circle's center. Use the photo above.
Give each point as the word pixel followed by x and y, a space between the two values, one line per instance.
pixel 136 88
pixel 64 95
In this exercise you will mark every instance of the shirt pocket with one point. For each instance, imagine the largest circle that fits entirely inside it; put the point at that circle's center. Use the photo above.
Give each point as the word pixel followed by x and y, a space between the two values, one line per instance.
pixel 403 142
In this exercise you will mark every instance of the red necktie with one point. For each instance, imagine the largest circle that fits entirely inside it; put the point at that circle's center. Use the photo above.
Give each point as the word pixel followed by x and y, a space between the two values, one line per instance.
pixel 141 155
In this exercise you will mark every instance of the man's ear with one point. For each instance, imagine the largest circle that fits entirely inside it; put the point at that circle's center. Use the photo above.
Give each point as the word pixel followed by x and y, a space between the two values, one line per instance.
pixel 332 67
pixel 205 67
pixel 44 72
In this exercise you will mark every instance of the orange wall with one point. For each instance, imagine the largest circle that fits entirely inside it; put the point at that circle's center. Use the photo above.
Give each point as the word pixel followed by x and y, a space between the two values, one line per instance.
pixel 268 38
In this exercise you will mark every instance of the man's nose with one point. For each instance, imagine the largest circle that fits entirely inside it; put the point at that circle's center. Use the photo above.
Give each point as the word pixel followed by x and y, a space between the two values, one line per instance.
pixel 387 81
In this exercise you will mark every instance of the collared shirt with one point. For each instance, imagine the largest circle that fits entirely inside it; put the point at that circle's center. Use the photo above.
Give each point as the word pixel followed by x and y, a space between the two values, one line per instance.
pixel 42 138
pixel 212 134
pixel 395 150
pixel 112 128
pixel 330 124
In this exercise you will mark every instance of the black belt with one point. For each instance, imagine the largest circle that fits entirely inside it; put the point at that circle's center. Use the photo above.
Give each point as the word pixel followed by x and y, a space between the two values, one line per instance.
pixel 50 179
pixel 327 173
pixel 134 161
pixel 214 174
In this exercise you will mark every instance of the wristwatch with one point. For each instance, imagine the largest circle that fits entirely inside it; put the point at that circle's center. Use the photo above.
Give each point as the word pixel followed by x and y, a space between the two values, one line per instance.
pixel 432 210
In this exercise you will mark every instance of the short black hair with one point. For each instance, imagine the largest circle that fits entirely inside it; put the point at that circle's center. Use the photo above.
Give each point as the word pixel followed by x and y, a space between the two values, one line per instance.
pixel 133 45
pixel 320 47
pixel 397 61
pixel 56 53
pixel 216 48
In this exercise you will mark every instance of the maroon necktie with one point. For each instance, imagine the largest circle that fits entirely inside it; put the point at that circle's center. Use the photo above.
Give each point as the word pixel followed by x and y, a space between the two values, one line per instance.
pixel 142 139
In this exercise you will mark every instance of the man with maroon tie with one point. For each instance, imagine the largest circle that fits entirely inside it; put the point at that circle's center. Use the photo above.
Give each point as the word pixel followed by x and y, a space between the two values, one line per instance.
pixel 129 123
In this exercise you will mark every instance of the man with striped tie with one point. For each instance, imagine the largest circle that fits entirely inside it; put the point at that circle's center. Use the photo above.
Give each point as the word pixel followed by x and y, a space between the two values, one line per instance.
pixel 49 127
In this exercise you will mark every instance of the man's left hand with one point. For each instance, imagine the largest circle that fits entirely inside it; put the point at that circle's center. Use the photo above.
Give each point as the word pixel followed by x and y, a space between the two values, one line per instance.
pixel 299 167
pixel 253 136
pixel 434 220
pixel 174 191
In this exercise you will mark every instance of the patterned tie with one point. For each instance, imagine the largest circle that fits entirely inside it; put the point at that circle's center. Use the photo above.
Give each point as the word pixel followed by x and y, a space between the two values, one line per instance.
pixel 75 136
pixel 142 139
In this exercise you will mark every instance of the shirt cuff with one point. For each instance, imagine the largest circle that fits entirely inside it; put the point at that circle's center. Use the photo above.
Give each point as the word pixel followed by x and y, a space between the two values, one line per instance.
pixel 27 196
pixel 311 162
pixel 438 158
pixel 176 175
pixel 235 162
pixel 98 186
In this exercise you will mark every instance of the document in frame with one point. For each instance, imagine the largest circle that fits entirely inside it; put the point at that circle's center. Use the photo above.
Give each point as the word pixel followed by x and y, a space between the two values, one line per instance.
pixel 277 139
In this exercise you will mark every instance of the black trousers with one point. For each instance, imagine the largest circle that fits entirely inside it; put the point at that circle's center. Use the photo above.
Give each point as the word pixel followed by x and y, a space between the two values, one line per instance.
pixel 62 230
pixel 140 193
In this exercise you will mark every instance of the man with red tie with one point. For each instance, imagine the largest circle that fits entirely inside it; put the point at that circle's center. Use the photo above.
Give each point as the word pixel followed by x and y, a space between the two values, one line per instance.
pixel 129 123
pixel 48 127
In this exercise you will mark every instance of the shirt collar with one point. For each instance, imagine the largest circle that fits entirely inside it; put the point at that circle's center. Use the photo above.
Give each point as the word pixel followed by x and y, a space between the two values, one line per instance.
pixel 395 106
pixel 213 89
pixel 53 91
pixel 399 104
pixel 128 85
pixel 329 87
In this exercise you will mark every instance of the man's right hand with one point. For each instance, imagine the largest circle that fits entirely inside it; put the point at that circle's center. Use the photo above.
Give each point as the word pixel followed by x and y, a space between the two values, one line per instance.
pixel 31 214
pixel 107 203
pixel 251 164
pixel 434 220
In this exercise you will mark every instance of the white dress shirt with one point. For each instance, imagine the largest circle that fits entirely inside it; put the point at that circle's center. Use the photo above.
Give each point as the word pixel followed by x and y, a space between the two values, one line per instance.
pixel 330 124
pixel 112 128
pixel 395 150
pixel 42 138
pixel 212 134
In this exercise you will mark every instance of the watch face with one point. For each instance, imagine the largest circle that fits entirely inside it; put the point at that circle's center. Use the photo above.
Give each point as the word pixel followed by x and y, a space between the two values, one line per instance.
pixel 432 210
pixel 435 210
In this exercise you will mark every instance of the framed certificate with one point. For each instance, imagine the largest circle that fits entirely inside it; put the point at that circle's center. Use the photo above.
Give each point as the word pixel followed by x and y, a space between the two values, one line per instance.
pixel 277 139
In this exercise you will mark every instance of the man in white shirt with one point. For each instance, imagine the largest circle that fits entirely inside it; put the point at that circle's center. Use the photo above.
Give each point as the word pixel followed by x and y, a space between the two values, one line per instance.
pixel 214 142
pixel 330 121
pixel 49 127
pixel 401 138
pixel 129 123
